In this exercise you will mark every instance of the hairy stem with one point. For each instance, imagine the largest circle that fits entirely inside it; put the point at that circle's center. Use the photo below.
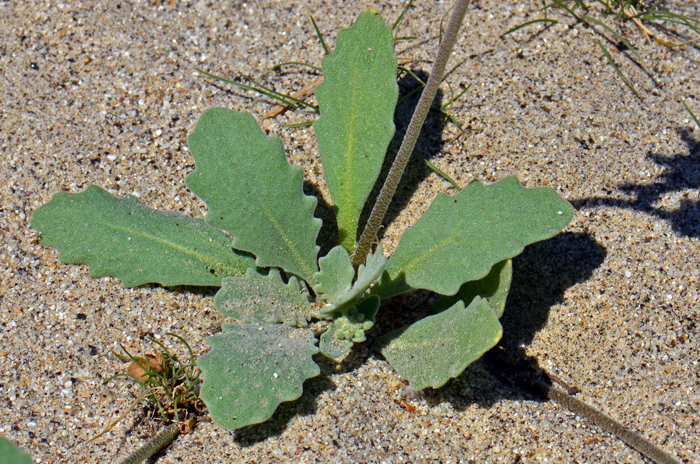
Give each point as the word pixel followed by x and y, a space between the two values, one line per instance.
pixel 158 442
pixel 369 234
pixel 638 442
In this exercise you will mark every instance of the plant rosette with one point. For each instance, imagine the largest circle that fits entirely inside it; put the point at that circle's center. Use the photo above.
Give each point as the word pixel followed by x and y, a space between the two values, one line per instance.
pixel 258 244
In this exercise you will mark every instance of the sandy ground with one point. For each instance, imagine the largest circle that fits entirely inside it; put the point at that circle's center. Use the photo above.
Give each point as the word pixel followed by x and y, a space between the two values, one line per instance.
pixel 105 93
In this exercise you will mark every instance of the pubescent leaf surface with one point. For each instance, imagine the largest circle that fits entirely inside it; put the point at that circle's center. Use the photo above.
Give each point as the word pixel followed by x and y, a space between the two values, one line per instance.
pixel 437 348
pixel 461 237
pixel 255 297
pixel 335 276
pixel 251 191
pixel 367 274
pixel 252 368
pixel 124 238
pixel 494 288
pixel 357 101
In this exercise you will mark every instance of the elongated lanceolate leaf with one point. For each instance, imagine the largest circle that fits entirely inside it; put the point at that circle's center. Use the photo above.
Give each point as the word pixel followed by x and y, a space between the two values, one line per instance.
pixel 251 191
pixel 122 237
pixel 255 298
pixel 367 274
pixel 461 237
pixel 252 368
pixel 357 101
pixel 494 288
pixel 437 348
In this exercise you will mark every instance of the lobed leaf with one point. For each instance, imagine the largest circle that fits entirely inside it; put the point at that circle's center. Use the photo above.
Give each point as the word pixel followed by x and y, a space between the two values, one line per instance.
pixel 494 288
pixel 437 348
pixel 357 101
pixel 251 191
pixel 122 237
pixel 367 274
pixel 335 277
pixel 461 237
pixel 258 298
pixel 253 368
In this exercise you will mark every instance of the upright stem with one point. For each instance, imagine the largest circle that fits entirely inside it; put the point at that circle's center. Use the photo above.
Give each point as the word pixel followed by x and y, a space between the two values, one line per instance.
pixel 369 234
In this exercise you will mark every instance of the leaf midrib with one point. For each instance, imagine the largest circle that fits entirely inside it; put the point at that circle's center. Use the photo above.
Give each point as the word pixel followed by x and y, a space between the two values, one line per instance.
pixel 204 258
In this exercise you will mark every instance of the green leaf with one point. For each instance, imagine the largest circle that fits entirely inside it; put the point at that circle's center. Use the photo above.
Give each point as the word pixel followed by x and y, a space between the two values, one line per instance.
pixel 251 191
pixel 461 237
pixel 252 368
pixel 347 330
pixel 433 350
pixel 494 287
pixel 254 298
pixel 122 237
pixel 11 454
pixel 335 277
pixel 357 101
pixel 367 274
pixel 333 347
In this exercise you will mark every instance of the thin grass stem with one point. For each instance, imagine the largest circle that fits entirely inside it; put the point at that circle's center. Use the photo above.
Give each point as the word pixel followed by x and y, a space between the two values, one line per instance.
pixel 618 70
pixel 441 173
pixel 695 118
pixel 326 51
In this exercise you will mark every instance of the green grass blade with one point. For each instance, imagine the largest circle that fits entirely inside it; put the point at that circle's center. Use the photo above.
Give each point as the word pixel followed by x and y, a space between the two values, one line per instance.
pixel 281 95
pixel 296 63
pixel 618 70
pixel 667 16
pixel 691 113
pixel 615 33
pixel 562 5
pixel 326 51
pixel 289 102
pixel 534 21
pixel 441 173
pixel 299 124
pixel 409 95
pixel 443 107
pixel 403 13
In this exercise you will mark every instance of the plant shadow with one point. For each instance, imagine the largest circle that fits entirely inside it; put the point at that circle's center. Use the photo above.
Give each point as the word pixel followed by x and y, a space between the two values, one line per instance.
pixel 541 276
pixel 682 173
pixel 305 405
pixel 429 144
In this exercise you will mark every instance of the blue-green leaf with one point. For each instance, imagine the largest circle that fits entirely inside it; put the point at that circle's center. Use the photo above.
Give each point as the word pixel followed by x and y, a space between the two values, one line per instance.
pixel 367 274
pixel 494 288
pixel 357 101
pixel 254 298
pixel 335 277
pixel 437 348
pixel 252 368
pixel 251 191
pixel 122 237
pixel 461 237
